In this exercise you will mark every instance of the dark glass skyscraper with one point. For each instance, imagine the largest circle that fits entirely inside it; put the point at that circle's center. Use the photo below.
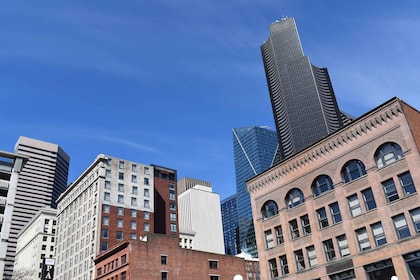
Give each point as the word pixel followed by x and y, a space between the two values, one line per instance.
pixel 254 151
pixel 230 221
pixel 302 97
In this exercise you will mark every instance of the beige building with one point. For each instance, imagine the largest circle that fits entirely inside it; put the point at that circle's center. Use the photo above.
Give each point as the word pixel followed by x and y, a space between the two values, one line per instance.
pixel 346 207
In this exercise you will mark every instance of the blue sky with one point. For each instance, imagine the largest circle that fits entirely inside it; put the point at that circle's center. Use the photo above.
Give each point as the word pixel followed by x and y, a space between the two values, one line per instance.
pixel 164 82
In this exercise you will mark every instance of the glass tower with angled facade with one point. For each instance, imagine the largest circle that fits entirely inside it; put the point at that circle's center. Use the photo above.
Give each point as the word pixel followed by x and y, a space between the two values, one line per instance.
pixel 302 97
pixel 254 151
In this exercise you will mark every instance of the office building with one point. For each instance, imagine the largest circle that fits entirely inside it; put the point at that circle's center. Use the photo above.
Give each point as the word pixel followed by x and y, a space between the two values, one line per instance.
pixel 302 97
pixel 11 165
pixel 254 150
pixel 346 207
pixel 159 257
pixel 230 223
pixel 200 218
pixel 113 199
pixel 42 180
pixel 35 243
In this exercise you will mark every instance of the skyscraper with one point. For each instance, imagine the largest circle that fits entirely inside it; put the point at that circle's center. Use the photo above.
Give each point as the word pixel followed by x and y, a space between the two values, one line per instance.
pixel 42 180
pixel 302 97
pixel 254 150
pixel 230 225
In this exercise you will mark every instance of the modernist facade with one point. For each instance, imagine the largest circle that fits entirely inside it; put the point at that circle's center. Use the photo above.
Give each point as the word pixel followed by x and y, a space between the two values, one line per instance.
pixel 346 207
pixel 112 200
pixel 36 242
pixel 42 180
pixel 230 223
pixel 302 97
pixel 200 219
pixel 159 257
pixel 254 149
pixel 10 169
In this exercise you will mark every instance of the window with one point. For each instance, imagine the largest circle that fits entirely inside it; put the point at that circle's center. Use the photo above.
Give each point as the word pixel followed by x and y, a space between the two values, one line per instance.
pixel 369 199
pixel 378 234
pixel 306 227
pixel 120 211
pixel 272 264
pixel 123 259
pixel 363 239
pixel 171 191
pixel 172 206
pixel 120 223
pixel 294 198
pixel 119 235
pixel 269 209
pixel 133 224
pixel 390 190
pixel 279 235
pixel 44 238
pixel 106 208
pixel 173 227
pixel 146 203
pixel 134 167
pixel 321 184
pixel 214 277
pixel 43 247
pixel 163 259
pixel 352 170
pixel 146 192
pixel 121 175
pixel 146 181
pixel 213 264
pixel 105 233
pixel 105 221
pixel 354 205
pixel 335 212
pixel 322 218
pixel 146 227
pixel 345 275
pixel 343 245
pixel 120 198
pixel 134 201
pixel 294 230
pixel 107 185
pixel 133 213
pixel 311 256
pixel 107 173
pixel 329 250
pixel 133 236
pixel 146 170
pixel 269 242
pixel 387 154
pixel 172 217
pixel 300 261
pixel 415 216
pixel 146 215
pixel 401 226
pixel 283 265
pixel 134 178
pixel 104 246
pixel 107 196
pixel 164 275
pixel 407 183
pixel 121 164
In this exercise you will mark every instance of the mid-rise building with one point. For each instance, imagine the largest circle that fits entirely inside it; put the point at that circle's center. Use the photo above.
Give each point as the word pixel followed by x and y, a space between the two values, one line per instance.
pixel 35 243
pixel 302 97
pixel 11 165
pixel 230 225
pixel 346 207
pixel 200 219
pixel 254 148
pixel 159 257
pixel 111 200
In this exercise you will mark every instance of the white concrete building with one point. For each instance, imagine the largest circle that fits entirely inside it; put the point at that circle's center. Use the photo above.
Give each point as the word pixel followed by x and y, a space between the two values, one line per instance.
pixel 200 220
pixel 35 242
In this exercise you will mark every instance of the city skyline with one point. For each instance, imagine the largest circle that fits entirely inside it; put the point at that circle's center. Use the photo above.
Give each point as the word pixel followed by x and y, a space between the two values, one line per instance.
pixel 163 83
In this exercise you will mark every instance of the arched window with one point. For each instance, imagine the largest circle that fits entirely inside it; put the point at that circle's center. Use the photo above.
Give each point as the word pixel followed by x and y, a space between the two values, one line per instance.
pixel 352 170
pixel 387 153
pixel 269 209
pixel 294 197
pixel 321 184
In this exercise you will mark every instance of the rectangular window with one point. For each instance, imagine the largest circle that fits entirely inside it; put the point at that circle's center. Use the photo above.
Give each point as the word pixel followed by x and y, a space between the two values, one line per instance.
pixel 133 213
pixel 134 167
pixel 108 173
pixel 107 185
pixel 272 264
pixel 105 233
pixel 120 198
pixel 121 175
pixel 390 190
pixel 415 217
pixel 134 178
pixel 378 234
pixel 322 218
pixel 146 204
pixel 164 275
pixel 119 235
pixel 407 183
pixel 120 223
pixel 134 190
pixel 146 215
pixel 146 227
pixel 354 205
pixel 269 242
pixel 163 259
pixel 123 259
pixel 146 192
pixel 121 187
pixel 329 250
pixel 133 236
pixel 294 229
pixel 172 206
pixel 214 277
pixel 279 235
pixel 300 261
pixel 363 239
pixel 171 191
pixel 401 226
pixel 173 227
pixel 343 245
pixel 306 227
pixel 146 181
pixel 133 224
pixel 134 201
pixel 105 221
pixel 172 217
pixel 369 199
pixel 213 264
pixel 104 246
pixel 311 256
pixel 335 212
pixel 106 208
pixel 284 267
pixel 107 196
pixel 121 164
pixel 120 211
pixel 146 170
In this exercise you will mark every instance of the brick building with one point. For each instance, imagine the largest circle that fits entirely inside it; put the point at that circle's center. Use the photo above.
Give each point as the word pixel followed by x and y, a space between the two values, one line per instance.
pixel 346 207
pixel 160 257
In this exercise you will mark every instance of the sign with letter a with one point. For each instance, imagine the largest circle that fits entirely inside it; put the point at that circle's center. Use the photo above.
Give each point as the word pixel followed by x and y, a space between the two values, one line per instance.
pixel 47 269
